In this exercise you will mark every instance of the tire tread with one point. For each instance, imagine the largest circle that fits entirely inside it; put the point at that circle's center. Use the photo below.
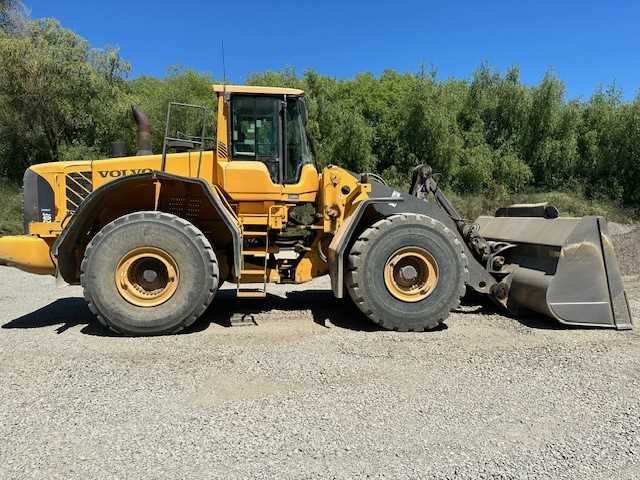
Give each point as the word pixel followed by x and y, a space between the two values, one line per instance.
pixel 191 230
pixel 356 266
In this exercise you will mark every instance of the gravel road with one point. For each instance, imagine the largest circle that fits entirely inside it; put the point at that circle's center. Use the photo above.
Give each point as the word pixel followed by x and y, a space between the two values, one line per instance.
pixel 313 391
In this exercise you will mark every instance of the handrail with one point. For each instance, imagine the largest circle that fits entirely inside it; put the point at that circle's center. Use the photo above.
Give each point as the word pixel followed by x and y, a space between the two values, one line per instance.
pixel 195 140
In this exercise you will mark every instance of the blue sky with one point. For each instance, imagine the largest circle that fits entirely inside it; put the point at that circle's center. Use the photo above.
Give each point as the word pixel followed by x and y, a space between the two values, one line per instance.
pixel 586 43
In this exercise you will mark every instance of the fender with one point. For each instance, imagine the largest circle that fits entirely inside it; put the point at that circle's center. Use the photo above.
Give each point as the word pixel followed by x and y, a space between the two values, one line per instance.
pixel 65 248
pixel 385 202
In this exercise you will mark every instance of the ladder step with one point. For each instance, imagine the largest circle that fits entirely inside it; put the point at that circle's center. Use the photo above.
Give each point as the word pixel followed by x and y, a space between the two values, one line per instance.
pixel 254 234
pixel 251 293
pixel 254 253
pixel 255 219
pixel 252 271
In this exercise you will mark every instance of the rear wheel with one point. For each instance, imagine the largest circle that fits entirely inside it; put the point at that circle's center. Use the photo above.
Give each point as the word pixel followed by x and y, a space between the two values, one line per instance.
pixel 149 273
pixel 407 272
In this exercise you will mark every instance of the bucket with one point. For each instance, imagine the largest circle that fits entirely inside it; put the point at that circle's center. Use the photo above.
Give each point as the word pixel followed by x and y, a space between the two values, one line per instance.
pixel 564 268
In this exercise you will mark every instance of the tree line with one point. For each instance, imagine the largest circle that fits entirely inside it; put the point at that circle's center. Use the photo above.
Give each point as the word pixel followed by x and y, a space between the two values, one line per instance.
pixel 60 99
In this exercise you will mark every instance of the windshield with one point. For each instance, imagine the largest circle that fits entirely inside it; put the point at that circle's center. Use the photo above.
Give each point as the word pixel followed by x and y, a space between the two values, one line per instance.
pixel 298 153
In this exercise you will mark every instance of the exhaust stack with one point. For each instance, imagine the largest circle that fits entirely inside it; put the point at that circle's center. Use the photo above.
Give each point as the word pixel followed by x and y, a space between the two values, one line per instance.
pixel 118 149
pixel 143 136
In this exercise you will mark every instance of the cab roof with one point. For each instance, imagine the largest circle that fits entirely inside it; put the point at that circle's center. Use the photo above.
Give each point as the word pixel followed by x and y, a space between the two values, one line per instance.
pixel 257 90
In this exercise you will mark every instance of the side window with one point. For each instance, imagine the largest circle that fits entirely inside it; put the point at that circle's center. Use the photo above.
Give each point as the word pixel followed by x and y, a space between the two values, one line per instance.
pixel 255 127
pixel 298 153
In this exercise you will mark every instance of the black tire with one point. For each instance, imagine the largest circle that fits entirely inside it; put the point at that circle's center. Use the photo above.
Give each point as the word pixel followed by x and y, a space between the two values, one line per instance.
pixel 193 256
pixel 370 253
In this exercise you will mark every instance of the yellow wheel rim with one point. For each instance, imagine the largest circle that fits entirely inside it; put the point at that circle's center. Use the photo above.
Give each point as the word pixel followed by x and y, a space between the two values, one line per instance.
pixel 411 274
pixel 147 276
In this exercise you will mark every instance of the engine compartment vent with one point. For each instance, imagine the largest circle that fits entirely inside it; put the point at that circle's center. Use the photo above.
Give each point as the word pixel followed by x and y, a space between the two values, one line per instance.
pixel 79 186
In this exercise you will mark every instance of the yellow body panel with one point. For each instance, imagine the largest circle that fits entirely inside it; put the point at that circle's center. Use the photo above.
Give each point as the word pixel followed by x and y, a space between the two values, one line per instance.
pixel 248 180
pixel 27 252
pixel 188 164
pixel 339 193
pixel 45 229
pixel 306 190
pixel 311 265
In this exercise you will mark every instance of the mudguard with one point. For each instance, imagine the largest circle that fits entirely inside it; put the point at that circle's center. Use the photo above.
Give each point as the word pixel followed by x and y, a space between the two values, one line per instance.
pixel 65 246
pixel 383 202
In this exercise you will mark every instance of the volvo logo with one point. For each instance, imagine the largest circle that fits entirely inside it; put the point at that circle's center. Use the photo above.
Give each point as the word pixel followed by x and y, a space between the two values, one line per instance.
pixel 123 173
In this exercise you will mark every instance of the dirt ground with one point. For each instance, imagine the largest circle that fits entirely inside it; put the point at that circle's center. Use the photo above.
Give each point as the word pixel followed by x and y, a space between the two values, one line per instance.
pixel 315 391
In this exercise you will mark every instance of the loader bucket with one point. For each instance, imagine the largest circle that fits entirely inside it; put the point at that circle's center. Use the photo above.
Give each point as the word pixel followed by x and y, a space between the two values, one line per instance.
pixel 564 268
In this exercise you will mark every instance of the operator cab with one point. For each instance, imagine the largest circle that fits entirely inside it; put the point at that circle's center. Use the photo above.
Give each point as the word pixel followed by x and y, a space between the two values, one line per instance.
pixel 268 125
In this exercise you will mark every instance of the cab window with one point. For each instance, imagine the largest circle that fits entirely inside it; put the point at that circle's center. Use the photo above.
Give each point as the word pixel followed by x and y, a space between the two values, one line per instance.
pixel 271 130
pixel 298 153
pixel 255 130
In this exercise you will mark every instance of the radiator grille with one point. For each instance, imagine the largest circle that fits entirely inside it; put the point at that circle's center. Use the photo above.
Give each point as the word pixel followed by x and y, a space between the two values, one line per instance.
pixel 79 186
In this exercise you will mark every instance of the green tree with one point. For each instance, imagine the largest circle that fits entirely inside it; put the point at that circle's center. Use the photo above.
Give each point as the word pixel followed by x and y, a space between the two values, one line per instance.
pixel 185 86
pixel 56 92
pixel 628 174
pixel 552 146
pixel 13 16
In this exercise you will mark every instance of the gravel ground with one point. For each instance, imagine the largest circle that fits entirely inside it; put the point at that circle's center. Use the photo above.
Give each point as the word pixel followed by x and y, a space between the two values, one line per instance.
pixel 626 240
pixel 313 391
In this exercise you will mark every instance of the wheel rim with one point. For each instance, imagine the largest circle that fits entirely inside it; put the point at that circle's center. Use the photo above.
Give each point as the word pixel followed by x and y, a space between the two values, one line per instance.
pixel 147 276
pixel 411 274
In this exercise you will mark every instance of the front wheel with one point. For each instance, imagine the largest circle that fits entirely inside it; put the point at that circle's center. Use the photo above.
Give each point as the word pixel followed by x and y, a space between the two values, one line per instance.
pixel 149 273
pixel 407 272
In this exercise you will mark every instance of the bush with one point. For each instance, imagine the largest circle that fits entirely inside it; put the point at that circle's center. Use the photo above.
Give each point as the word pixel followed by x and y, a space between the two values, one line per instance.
pixel 10 208
pixel 570 204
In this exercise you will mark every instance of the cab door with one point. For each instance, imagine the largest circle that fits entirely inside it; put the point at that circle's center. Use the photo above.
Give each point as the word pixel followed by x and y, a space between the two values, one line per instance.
pixel 270 158
pixel 255 169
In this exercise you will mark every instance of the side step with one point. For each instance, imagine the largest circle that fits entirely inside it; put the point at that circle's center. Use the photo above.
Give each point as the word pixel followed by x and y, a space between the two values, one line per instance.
pixel 251 293
pixel 253 253
pixel 252 271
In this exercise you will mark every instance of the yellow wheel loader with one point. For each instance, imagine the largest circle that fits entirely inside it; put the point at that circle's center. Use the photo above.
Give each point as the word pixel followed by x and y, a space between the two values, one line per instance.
pixel 152 237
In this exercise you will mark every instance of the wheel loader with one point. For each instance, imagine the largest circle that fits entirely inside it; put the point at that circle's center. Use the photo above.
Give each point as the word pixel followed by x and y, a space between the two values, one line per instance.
pixel 151 237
